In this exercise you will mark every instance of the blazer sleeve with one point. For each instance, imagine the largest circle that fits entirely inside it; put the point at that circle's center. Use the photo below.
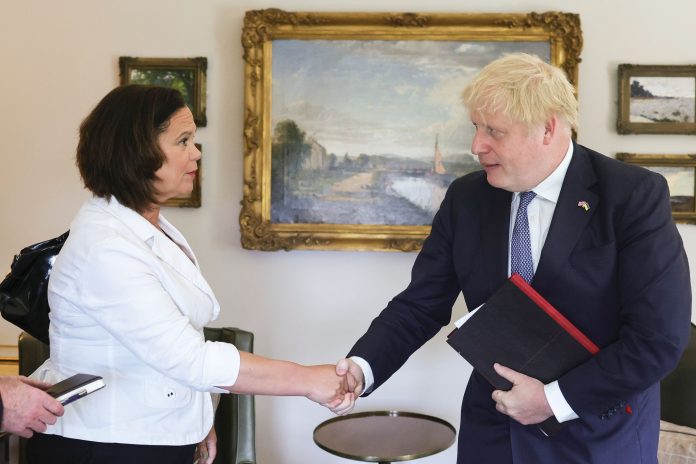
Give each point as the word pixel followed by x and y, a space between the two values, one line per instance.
pixel 653 295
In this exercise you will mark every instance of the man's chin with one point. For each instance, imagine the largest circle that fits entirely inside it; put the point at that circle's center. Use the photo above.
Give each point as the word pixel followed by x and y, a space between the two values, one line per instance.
pixel 495 180
pixel 502 185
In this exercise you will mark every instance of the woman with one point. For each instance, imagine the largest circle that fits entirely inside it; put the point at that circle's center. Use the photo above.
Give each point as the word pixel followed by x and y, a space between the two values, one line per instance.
pixel 128 302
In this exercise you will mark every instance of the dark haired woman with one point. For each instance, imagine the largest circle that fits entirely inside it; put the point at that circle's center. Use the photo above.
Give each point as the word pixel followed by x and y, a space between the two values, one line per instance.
pixel 129 303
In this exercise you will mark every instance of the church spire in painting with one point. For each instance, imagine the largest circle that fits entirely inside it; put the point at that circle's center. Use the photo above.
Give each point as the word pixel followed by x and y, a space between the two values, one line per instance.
pixel 438 168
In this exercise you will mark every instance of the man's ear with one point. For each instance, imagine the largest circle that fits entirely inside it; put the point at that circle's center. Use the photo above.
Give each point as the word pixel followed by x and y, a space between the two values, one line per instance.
pixel 550 128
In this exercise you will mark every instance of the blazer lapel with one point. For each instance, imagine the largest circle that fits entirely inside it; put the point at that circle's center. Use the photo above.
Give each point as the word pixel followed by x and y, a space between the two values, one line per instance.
pixel 182 262
pixel 170 253
pixel 570 218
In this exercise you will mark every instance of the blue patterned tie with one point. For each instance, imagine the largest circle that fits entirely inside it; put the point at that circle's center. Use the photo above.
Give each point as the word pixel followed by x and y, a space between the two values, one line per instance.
pixel 520 246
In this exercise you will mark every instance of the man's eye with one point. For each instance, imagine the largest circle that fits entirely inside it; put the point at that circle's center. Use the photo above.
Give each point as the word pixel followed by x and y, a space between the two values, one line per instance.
pixel 495 133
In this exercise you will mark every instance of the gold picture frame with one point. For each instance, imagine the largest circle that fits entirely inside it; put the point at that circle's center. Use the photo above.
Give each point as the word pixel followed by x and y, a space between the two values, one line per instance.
pixel 188 75
pixel 270 40
pixel 194 199
pixel 656 99
pixel 680 172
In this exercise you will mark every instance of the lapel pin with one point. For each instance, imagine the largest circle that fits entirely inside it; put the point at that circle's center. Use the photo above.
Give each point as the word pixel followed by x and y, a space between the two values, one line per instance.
pixel 584 205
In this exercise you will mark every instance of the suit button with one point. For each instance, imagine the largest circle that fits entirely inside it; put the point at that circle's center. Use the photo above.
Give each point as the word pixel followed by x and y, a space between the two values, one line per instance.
pixel 603 417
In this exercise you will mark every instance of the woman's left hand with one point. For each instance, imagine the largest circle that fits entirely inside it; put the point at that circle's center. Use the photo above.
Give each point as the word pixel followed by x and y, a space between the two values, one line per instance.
pixel 207 449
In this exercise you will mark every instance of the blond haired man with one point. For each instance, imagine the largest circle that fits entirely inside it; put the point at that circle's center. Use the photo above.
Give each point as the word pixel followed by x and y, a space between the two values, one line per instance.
pixel 600 245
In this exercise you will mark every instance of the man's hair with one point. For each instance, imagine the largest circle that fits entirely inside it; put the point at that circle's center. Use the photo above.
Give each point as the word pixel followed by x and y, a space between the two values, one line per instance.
pixel 523 88
pixel 118 152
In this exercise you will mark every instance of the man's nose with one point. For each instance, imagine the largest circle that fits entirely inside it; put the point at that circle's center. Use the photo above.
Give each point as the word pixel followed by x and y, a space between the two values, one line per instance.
pixel 478 144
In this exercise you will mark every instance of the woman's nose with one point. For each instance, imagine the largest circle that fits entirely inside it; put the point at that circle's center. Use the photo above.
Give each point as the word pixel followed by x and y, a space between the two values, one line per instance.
pixel 196 152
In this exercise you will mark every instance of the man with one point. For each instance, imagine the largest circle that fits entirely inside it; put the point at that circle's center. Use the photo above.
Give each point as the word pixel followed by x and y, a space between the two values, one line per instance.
pixel 24 407
pixel 593 235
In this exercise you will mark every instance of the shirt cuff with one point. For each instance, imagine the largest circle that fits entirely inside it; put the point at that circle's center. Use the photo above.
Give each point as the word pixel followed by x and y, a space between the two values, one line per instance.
pixel 368 378
pixel 560 407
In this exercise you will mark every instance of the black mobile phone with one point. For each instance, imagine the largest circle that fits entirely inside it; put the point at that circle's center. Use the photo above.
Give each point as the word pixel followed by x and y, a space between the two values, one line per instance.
pixel 75 387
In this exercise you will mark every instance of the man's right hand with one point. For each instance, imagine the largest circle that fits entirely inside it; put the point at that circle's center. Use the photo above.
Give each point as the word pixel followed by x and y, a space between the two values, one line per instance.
pixel 356 382
pixel 27 408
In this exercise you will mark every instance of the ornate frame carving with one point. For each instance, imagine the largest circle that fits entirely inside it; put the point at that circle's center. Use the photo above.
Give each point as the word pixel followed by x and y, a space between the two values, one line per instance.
pixel 561 30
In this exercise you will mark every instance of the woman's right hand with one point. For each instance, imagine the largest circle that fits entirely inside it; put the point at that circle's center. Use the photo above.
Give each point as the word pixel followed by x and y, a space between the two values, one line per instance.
pixel 325 386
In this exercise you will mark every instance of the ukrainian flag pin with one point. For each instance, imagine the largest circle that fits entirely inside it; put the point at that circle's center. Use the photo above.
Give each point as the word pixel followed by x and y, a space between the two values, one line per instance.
pixel 584 205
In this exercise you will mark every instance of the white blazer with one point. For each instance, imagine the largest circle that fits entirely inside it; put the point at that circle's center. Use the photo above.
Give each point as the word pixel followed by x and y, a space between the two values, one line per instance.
pixel 129 304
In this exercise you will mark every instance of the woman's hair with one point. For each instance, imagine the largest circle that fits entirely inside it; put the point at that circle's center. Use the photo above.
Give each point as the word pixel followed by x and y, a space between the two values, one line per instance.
pixel 523 88
pixel 118 152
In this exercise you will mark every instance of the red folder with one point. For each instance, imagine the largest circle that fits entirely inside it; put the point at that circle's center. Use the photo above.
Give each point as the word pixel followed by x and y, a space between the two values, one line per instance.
pixel 519 329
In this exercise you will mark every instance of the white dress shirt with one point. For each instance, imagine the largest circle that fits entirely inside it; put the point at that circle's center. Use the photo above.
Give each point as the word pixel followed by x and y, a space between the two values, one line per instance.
pixel 539 212
pixel 129 304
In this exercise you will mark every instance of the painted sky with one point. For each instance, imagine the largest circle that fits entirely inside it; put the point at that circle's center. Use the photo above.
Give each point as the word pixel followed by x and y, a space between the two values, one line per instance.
pixel 381 97
pixel 668 86
pixel 680 180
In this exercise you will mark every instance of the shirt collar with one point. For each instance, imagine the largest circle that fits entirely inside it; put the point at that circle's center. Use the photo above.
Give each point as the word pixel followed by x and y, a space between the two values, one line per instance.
pixel 550 188
pixel 134 221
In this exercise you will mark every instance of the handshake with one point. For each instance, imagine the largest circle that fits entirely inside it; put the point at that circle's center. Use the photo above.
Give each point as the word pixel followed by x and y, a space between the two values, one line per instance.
pixel 336 387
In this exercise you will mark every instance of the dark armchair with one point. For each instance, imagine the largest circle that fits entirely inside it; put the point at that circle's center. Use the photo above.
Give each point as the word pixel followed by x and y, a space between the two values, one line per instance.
pixel 678 403
pixel 234 418
pixel 235 415
pixel 678 389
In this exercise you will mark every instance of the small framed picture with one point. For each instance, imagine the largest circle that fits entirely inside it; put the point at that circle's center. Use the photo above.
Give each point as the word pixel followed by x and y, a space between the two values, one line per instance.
pixel 187 75
pixel 194 199
pixel 657 99
pixel 680 172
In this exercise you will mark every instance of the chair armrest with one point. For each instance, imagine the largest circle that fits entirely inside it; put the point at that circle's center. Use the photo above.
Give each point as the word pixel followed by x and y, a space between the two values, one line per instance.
pixel 235 421
pixel 32 352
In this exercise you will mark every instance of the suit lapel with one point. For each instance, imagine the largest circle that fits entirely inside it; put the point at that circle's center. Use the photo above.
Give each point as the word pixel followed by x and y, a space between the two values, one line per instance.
pixel 495 229
pixel 569 218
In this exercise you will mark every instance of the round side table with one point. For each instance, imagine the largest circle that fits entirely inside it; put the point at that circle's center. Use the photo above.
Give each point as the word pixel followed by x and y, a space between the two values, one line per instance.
pixel 384 436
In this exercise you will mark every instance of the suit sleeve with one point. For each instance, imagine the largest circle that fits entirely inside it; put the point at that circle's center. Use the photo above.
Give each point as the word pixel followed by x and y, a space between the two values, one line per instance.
pixel 654 299
pixel 415 315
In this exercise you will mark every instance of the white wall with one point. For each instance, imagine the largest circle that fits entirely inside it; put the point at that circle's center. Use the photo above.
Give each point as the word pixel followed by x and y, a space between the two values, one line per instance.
pixel 59 58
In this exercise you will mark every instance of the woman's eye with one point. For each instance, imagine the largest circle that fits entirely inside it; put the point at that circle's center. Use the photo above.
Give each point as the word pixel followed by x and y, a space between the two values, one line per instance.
pixel 184 141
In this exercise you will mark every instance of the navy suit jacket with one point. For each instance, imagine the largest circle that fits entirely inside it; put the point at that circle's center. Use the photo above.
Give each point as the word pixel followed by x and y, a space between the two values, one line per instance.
pixel 617 271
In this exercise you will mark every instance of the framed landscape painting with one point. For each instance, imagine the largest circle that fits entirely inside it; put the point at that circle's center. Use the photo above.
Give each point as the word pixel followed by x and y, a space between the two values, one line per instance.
pixel 680 172
pixel 187 75
pixel 657 99
pixel 353 123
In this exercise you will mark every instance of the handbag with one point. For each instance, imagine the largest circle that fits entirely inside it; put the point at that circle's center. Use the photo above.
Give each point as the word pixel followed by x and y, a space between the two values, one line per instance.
pixel 23 292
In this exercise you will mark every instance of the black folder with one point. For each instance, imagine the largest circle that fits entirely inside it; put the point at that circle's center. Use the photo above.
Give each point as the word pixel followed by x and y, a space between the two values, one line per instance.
pixel 519 329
